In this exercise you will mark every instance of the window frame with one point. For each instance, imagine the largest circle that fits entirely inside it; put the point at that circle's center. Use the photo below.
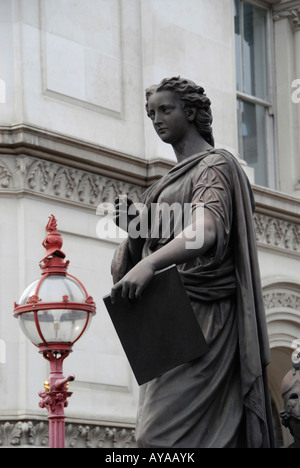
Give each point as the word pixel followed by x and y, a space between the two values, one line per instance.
pixel 268 104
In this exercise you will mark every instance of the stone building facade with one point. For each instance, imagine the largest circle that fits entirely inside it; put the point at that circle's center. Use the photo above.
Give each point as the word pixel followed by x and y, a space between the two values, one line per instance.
pixel 73 134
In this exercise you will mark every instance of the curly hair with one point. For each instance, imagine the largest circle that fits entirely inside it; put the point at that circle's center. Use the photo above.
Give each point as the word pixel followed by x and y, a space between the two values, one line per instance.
pixel 191 95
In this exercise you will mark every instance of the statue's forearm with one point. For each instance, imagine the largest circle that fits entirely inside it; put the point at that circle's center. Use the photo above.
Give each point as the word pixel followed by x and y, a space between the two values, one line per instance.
pixel 185 247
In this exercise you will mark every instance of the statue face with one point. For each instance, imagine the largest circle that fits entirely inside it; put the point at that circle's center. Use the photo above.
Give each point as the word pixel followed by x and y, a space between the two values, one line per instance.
pixel 168 116
pixel 292 401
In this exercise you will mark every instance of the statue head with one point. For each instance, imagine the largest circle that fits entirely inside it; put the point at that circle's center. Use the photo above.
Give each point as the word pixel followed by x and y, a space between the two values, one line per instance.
pixel 192 96
pixel 290 416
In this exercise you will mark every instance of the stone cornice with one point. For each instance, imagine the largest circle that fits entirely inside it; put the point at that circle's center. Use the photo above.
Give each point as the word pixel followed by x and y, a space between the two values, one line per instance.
pixel 279 5
pixel 43 165
pixel 41 143
pixel 274 203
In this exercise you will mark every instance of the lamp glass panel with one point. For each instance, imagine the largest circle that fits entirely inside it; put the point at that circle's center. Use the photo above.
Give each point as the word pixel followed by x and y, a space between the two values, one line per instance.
pixel 55 287
pixel 62 325
pixel 27 324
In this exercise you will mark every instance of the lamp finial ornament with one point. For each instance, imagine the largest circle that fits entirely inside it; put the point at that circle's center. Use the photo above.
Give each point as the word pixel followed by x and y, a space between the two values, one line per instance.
pixel 53 243
pixel 52 224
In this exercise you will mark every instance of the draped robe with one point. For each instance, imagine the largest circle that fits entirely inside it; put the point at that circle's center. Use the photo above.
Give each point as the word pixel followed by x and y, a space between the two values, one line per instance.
pixel 221 399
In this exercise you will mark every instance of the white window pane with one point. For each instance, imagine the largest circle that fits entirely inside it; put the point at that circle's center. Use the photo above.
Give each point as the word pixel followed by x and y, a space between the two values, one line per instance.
pixel 253 122
pixel 255 51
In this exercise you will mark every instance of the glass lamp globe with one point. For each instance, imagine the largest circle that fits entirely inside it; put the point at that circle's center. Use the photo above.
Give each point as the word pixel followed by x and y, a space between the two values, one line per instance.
pixel 55 324
pixel 55 310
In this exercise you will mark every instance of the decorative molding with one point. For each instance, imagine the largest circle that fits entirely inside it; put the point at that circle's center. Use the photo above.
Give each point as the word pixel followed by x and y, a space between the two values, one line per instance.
pixel 83 436
pixel 39 163
pixel 39 143
pixel 292 14
pixel 273 232
pixel 49 179
pixel 281 299
pixel 35 434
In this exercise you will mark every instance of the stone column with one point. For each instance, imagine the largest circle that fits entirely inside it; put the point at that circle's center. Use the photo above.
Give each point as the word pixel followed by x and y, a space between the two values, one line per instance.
pixel 287 63
pixel 296 26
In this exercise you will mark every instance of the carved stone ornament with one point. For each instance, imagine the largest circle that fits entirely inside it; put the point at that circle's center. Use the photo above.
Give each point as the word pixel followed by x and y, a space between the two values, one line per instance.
pixel 292 14
pixel 54 180
pixel 35 434
pixel 281 299
pixel 277 233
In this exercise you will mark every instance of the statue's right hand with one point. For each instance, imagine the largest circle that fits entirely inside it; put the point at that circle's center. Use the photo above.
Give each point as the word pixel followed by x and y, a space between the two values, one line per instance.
pixel 130 287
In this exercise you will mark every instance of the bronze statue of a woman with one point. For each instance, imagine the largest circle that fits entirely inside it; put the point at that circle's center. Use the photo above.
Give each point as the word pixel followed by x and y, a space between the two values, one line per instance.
pixel 221 399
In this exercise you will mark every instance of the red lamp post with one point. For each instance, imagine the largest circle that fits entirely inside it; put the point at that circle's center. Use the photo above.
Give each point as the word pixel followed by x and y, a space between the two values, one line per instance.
pixel 54 312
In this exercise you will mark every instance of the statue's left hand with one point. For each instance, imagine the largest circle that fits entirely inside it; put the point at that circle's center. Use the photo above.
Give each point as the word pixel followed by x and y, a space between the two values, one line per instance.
pixel 134 282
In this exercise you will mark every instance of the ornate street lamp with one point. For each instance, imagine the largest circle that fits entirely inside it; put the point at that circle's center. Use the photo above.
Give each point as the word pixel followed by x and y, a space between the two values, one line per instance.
pixel 54 312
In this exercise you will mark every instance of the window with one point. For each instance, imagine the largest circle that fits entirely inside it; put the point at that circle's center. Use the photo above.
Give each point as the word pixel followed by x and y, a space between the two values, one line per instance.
pixel 254 105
